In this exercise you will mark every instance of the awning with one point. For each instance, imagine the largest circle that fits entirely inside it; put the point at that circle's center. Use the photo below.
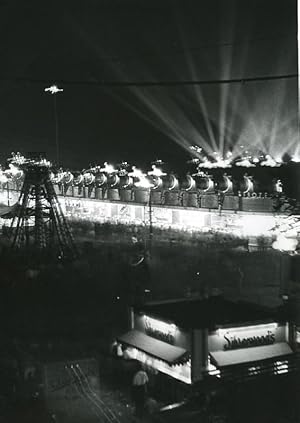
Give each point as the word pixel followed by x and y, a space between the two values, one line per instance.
pixel 247 355
pixel 8 212
pixel 153 347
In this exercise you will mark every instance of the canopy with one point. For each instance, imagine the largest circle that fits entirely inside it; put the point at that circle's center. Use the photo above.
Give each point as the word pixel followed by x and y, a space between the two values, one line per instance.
pixel 247 355
pixel 8 212
pixel 154 347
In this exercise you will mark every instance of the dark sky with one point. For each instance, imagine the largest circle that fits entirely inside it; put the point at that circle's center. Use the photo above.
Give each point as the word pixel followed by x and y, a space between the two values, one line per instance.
pixel 143 40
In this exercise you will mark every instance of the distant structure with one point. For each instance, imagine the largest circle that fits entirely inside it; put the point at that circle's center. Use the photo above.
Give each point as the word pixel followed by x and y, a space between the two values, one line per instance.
pixel 38 221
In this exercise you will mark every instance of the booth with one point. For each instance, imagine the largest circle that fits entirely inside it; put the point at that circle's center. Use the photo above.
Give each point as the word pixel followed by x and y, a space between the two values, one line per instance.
pixel 190 339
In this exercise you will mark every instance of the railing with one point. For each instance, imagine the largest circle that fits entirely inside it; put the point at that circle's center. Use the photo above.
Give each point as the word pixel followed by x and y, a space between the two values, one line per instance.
pixel 281 366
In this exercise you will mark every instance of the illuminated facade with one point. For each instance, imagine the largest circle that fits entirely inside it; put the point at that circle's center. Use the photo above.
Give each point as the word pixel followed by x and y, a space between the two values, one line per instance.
pixel 243 223
pixel 165 337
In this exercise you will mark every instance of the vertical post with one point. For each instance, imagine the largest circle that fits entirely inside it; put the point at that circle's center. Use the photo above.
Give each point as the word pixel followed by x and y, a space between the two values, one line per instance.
pixel 7 186
pixel 150 222
pixel 54 90
pixel 298 42
pixel 56 129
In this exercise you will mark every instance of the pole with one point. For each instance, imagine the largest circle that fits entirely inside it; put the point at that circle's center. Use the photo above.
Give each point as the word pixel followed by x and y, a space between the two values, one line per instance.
pixel 56 129
pixel 7 185
pixel 150 222
pixel 298 44
pixel 53 90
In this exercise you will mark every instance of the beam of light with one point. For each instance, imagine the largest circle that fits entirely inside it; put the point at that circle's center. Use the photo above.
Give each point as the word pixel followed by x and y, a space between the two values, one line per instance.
pixel 260 127
pixel 166 115
pixel 226 59
pixel 196 91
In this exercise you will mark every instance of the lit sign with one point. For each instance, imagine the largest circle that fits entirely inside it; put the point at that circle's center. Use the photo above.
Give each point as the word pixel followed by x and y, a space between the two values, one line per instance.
pixel 247 337
pixel 234 342
pixel 160 330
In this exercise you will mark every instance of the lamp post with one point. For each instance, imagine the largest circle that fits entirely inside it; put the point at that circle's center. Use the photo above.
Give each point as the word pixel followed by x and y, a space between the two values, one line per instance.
pixel 54 90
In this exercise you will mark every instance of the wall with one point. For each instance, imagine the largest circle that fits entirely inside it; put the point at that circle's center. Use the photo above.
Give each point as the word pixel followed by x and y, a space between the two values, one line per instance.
pixel 216 339
pixel 241 222
pixel 182 338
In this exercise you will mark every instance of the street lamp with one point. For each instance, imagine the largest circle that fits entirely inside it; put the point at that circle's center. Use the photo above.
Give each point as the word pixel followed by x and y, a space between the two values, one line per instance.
pixel 54 90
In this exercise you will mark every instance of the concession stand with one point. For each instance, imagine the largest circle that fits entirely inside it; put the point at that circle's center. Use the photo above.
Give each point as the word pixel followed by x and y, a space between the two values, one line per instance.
pixel 190 339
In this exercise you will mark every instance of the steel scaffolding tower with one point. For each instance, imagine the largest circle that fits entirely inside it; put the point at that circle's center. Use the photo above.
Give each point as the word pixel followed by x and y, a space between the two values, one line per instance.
pixel 39 222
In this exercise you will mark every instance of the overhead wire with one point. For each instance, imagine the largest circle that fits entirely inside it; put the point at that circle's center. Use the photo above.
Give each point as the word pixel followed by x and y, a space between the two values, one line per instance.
pixel 151 83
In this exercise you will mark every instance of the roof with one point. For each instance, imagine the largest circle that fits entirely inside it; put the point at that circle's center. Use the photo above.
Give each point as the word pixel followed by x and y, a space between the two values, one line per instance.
pixel 247 355
pixel 153 347
pixel 211 312
pixel 7 212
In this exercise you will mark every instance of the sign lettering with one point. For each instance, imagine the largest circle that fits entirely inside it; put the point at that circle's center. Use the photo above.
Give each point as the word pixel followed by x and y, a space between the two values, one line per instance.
pixel 234 342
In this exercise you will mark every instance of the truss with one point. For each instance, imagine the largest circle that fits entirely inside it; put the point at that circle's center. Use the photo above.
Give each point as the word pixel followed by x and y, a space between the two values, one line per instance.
pixel 39 221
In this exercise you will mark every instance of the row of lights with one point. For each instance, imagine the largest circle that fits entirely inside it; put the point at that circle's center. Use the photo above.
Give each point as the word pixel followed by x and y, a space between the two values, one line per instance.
pixel 122 177
pixel 158 180
pixel 154 180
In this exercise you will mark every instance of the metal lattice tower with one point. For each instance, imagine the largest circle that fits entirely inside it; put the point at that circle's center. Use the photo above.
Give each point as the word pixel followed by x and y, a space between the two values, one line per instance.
pixel 39 222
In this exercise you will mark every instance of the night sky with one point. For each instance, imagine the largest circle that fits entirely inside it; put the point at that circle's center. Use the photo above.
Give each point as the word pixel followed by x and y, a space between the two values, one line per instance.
pixel 80 45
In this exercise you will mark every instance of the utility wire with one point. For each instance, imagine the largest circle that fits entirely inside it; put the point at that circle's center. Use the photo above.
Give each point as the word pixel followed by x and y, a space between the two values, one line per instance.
pixel 172 83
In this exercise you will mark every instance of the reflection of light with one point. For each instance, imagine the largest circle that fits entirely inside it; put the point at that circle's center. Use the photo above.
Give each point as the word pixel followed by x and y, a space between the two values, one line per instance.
pixel 68 177
pixel 101 179
pixel 228 183
pixel 174 183
pixel 265 326
pixel 209 181
pixel 248 184
pixel 88 178
pixel 113 180
pixel 78 180
pixel 191 183
pixel 213 370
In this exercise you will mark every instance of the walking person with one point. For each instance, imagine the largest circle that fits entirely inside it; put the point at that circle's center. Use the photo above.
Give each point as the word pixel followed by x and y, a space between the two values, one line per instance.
pixel 139 390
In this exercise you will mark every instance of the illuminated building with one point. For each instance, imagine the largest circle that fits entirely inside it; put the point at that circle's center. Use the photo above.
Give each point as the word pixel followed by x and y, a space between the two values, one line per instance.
pixel 192 340
pixel 248 202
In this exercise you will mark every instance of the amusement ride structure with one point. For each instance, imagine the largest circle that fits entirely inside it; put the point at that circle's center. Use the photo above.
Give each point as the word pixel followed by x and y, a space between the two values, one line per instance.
pixel 38 220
